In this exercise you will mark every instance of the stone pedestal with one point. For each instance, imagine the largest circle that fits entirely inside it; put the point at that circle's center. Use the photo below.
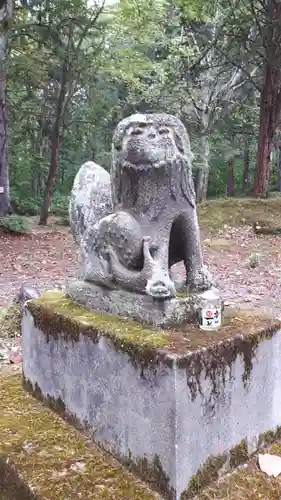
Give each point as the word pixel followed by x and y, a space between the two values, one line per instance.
pixel 178 406
pixel 125 304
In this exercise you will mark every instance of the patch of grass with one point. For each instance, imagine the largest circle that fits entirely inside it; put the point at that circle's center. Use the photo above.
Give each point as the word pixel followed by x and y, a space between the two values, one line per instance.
pixel 53 458
pixel 254 259
pixel 63 221
pixel 243 485
pixel 16 224
pixel 238 212
pixel 218 243
pixel 248 483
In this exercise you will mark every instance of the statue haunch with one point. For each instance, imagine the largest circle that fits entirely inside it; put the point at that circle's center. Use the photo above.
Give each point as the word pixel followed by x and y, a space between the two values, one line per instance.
pixel 134 225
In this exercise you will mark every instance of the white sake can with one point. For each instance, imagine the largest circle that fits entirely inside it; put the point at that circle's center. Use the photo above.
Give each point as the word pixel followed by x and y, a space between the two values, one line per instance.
pixel 210 310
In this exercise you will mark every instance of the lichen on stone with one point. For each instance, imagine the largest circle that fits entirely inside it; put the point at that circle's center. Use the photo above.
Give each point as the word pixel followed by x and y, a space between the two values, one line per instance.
pixel 52 458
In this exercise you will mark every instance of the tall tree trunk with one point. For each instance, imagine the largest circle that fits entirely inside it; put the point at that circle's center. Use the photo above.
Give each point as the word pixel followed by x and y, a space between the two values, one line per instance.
pixel 203 174
pixel 6 14
pixel 270 104
pixel 245 182
pixel 266 133
pixel 230 177
pixel 55 141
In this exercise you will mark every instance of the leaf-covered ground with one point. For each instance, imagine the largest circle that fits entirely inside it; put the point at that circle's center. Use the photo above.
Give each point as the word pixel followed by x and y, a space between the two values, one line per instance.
pixel 48 256
pixel 44 258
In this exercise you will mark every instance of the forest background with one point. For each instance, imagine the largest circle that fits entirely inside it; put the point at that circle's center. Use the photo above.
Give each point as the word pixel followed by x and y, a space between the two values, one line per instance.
pixel 70 70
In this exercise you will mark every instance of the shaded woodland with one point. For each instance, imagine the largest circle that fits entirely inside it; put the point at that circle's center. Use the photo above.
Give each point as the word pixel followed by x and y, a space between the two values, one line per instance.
pixel 70 70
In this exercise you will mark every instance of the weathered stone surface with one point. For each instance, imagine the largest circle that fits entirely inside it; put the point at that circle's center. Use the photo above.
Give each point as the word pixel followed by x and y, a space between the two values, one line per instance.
pixel 155 399
pixel 90 199
pixel 27 292
pixel 153 223
pixel 40 452
pixel 123 303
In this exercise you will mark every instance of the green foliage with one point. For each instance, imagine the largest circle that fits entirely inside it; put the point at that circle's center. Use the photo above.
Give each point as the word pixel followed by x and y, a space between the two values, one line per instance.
pixel 145 56
pixel 14 224
pixel 59 205
pixel 25 205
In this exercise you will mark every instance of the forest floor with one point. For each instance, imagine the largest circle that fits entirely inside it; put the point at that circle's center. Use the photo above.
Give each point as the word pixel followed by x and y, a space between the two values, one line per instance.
pixel 47 256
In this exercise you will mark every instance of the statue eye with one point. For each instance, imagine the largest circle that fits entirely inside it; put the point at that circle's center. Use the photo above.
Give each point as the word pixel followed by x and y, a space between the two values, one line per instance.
pixel 137 131
pixel 163 130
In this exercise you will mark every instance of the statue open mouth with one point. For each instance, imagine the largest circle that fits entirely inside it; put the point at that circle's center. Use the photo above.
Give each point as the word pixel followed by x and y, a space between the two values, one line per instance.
pixel 159 289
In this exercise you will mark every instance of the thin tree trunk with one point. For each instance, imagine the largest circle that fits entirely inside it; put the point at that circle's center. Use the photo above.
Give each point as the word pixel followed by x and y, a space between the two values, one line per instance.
pixel 50 181
pixel 55 141
pixel 6 14
pixel 246 170
pixel 203 175
pixel 5 204
pixel 230 177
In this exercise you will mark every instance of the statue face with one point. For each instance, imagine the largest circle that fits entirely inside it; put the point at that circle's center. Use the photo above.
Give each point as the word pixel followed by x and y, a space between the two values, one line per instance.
pixel 147 140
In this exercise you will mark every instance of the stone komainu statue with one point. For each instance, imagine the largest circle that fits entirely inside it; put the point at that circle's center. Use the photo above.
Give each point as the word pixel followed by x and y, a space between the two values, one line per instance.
pixel 134 224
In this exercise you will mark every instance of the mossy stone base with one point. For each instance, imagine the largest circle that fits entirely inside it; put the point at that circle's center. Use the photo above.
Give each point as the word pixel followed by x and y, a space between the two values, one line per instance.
pixel 125 304
pixel 50 459
pixel 162 401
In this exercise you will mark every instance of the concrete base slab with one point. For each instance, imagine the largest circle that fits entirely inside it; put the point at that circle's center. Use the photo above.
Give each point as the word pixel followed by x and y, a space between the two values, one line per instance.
pixel 178 407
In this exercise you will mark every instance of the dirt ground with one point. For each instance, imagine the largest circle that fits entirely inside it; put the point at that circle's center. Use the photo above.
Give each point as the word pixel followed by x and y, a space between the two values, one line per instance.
pixel 45 259
pixel 48 256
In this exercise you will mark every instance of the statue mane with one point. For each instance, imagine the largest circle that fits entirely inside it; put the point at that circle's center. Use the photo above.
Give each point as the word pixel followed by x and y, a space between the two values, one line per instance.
pixel 171 175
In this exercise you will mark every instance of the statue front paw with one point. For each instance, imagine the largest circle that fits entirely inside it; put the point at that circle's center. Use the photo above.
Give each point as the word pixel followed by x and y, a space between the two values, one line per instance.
pixel 200 280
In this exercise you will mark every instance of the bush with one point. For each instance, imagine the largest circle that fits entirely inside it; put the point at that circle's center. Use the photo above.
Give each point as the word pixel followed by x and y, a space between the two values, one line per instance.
pixel 63 221
pixel 59 206
pixel 16 224
pixel 25 205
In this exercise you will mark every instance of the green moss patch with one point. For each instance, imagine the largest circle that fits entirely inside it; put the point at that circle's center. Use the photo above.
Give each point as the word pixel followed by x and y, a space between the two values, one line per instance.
pixel 211 470
pixel 55 315
pixel 52 458
pixel 247 483
pixel 238 212
pixel 10 320
pixel 243 483
pixel 208 472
